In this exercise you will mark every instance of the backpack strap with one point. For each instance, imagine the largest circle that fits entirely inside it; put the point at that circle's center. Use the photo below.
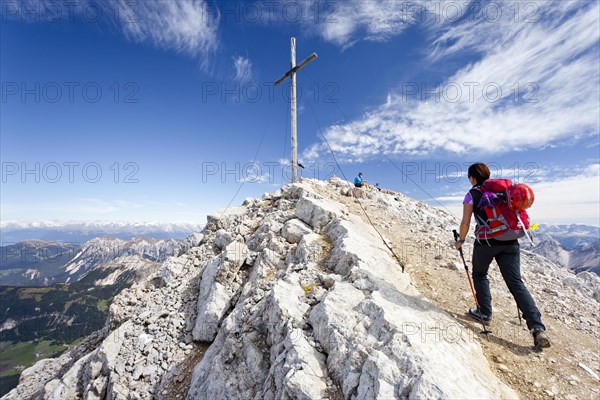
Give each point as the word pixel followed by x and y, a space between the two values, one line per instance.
pixel 476 194
pixel 481 218
pixel 527 232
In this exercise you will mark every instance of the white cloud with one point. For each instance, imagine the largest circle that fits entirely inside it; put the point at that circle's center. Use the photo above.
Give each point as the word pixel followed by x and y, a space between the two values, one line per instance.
pixel 184 26
pixel 346 22
pixel 101 206
pixel 374 20
pixel 549 82
pixel 264 178
pixel 256 171
pixel 93 209
pixel 569 200
pixel 243 69
pixel 88 206
pixel 188 26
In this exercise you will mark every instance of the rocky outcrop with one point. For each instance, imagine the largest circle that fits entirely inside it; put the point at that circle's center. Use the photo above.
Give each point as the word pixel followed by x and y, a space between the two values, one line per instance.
pixel 99 251
pixel 33 380
pixel 586 257
pixel 293 297
pixel 340 320
pixel 548 247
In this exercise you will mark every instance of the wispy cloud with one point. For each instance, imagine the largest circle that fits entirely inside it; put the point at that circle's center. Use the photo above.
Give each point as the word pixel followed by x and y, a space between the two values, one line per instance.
pixel 94 209
pixel 243 69
pixel 101 206
pixel 88 206
pixel 535 84
pixel 184 26
pixel 571 199
pixel 347 22
pixel 188 27
pixel 259 172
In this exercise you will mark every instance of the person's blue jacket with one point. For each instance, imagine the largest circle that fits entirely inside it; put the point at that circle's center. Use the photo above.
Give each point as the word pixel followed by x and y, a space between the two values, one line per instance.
pixel 358 180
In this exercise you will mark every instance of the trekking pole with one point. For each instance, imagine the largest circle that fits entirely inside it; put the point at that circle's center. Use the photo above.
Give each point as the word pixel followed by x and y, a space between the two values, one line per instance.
pixel 485 331
pixel 519 313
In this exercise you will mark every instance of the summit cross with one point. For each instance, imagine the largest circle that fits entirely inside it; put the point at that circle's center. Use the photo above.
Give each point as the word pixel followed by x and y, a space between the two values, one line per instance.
pixel 292 74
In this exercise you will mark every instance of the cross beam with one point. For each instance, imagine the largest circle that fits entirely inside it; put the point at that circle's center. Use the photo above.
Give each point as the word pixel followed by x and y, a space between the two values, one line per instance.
pixel 292 75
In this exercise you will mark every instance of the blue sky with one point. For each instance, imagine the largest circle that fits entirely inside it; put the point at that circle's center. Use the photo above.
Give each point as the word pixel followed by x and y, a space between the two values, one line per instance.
pixel 160 110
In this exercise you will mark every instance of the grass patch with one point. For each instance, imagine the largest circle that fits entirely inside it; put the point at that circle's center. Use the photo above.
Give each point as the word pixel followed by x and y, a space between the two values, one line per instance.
pixel 23 355
pixel 20 354
pixel 33 293
pixel 26 354
pixel 103 305
pixel 75 342
pixel 6 272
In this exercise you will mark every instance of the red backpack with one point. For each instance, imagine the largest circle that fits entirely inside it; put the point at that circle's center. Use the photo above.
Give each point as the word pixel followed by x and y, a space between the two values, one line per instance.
pixel 499 207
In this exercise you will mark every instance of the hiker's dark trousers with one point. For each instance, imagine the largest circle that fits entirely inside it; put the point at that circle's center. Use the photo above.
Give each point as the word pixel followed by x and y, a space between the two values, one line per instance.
pixel 508 258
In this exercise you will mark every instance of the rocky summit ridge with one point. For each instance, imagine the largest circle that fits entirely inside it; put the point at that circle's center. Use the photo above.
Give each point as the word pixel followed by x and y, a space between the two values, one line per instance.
pixel 293 296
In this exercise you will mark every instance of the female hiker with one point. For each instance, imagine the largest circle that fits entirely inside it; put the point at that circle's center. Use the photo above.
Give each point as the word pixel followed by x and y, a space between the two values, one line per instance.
pixel 507 255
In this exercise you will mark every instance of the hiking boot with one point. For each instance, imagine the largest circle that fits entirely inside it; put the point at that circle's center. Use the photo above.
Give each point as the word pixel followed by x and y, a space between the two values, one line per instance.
pixel 476 315
pixel 540 340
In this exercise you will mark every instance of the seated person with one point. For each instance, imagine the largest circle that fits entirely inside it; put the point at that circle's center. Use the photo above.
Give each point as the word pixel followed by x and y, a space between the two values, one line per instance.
pixel 359 181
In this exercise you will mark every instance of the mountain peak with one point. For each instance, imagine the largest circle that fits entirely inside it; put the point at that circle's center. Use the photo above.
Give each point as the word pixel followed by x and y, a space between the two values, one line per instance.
pixel 296 295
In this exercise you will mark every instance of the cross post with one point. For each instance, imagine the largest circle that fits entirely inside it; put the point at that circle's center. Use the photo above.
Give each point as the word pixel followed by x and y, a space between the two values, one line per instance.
pixel 292 74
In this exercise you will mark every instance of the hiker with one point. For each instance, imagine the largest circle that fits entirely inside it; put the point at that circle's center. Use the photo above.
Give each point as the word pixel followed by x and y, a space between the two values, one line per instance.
pixel 507 255
pixel 359 181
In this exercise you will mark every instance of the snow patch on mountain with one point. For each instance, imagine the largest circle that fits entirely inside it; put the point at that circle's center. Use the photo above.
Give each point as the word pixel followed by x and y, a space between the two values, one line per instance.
pixel 31 273
pixel 103 250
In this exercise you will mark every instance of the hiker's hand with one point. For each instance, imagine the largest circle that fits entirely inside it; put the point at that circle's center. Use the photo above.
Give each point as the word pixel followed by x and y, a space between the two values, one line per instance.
pixel 458 245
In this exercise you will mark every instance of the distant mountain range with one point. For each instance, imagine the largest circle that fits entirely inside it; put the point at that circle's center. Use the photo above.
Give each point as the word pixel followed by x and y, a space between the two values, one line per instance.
pixel 44 253
pixel 81 232
pixel 41 263
pixel 56 292
pixel 576 247
pixel 34 262
pixel 572 236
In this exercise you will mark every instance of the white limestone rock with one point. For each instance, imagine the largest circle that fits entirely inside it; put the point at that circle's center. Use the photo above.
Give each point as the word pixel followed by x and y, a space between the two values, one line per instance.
pixel 293 191
pixel 303 374
pixel 172 268
pixel 294 230
pixel 316 212
pixel 225 218
pixel 217 288
pixel 66 388
pixel 193 240
pixel 222 239
pixel 310 249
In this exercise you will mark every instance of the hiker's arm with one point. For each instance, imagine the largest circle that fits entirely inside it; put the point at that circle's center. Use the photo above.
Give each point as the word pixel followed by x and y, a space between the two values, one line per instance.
pixel 465 223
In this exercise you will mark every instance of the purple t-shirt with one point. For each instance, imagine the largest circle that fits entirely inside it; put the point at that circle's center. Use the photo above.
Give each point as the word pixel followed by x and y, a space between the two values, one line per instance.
pixel 468 199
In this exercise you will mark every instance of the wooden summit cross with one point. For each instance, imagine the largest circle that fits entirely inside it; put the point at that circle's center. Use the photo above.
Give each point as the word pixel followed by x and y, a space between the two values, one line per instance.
pixel 292 74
